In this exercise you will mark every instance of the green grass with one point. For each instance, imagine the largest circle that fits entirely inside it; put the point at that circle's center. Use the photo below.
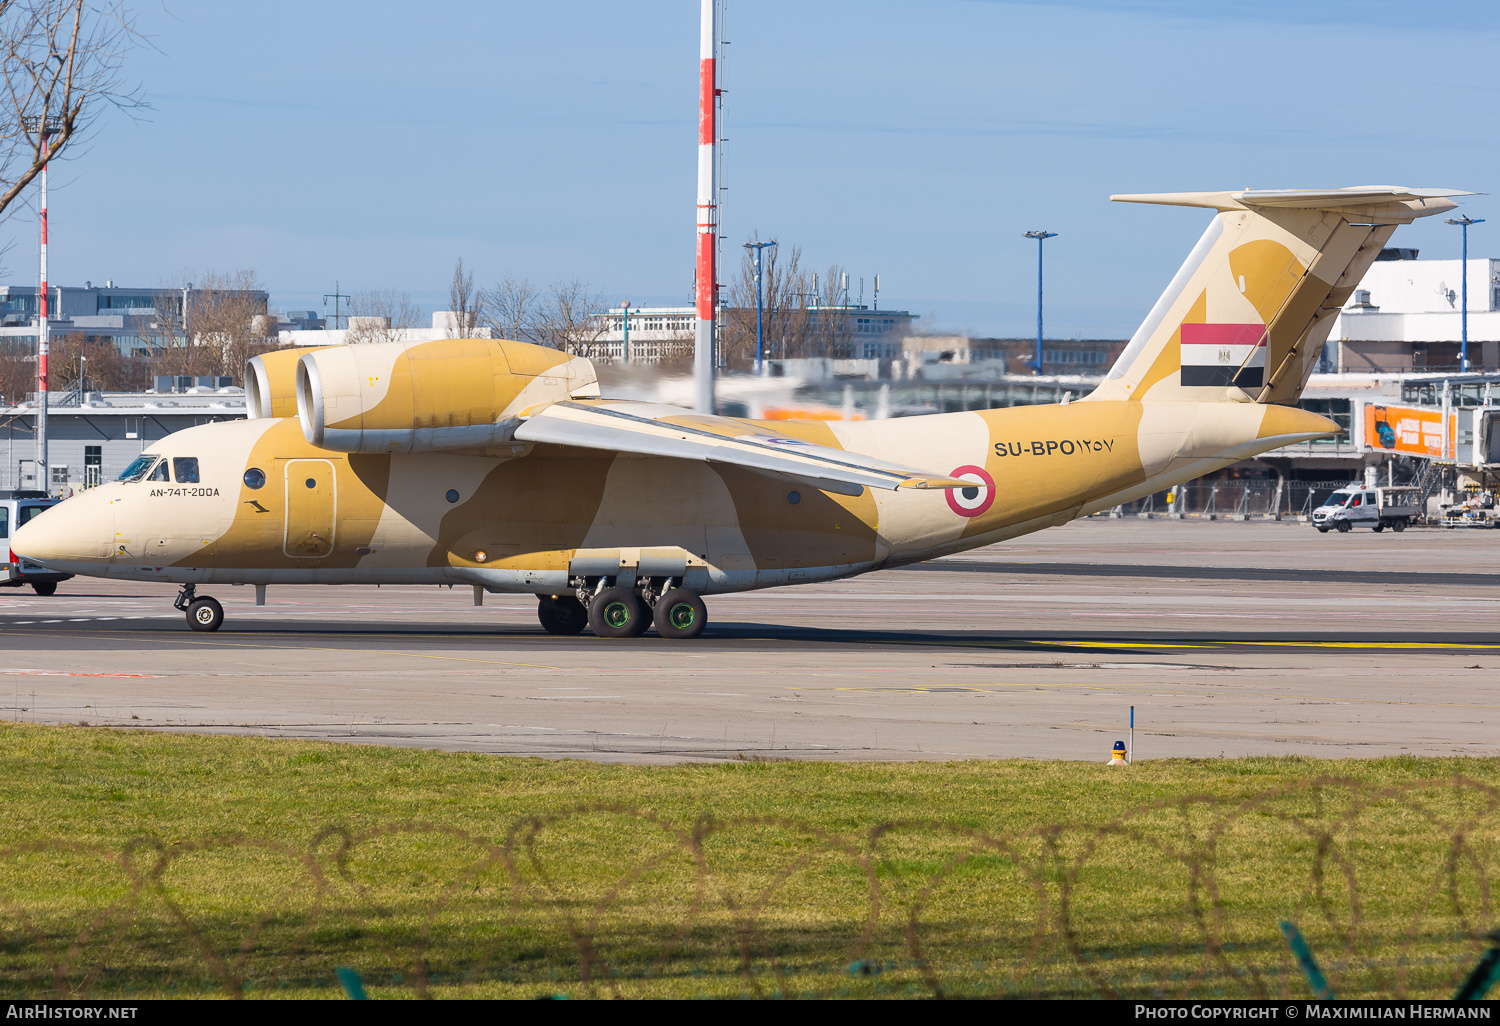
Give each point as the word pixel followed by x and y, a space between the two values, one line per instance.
pixel 146 864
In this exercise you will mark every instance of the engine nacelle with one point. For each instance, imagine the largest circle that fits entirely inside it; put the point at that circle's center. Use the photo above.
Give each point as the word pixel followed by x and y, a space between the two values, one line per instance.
pixel 461 393
pixel 271 382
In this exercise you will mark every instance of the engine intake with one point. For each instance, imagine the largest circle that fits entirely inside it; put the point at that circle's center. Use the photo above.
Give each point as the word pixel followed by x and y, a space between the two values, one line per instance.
pixel 429 396
pixel 271 382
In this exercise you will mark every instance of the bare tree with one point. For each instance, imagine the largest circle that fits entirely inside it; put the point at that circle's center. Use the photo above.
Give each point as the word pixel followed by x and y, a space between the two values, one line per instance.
pixel 61 65
pixel 227 318
pixel 207 323
pixel 510 309
pixel 567 321
pixel 562 318
pixel 17 370
pixel 464 301
pixel 381 315
pixel 829 331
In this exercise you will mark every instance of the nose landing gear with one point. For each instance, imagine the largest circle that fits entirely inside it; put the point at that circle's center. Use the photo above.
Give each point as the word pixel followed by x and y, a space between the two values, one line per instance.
pixel 203 614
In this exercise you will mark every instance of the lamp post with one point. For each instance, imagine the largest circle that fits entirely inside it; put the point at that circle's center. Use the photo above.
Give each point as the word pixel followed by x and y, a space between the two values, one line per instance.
pixel 1463 345
pixel 1040 237
pixel 625 320
pixel 760 340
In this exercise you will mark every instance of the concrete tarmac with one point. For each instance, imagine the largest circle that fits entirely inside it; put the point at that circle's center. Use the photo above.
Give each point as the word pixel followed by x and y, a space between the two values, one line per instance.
pixel 1228 638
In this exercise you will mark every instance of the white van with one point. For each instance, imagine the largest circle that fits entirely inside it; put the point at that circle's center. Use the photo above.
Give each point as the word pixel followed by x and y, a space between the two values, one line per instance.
pixel 1358 506
pixel 16 508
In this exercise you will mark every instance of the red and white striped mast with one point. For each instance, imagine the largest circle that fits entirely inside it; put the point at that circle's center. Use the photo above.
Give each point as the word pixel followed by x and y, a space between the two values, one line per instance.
pixel 44 127
pixel 705 356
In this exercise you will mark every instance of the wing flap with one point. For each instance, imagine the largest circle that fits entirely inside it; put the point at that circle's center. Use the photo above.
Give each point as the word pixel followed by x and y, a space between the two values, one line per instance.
pixel 651 430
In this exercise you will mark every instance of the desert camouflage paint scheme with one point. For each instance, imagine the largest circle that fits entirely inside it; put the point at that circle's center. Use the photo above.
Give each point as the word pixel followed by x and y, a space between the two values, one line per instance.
pixel 496 464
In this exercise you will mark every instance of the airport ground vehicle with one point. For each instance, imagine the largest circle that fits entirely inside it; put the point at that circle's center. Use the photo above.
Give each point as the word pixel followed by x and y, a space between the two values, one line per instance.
pixel 498 465
pixel 1360 506
pixel 1478 509
pixel 17 508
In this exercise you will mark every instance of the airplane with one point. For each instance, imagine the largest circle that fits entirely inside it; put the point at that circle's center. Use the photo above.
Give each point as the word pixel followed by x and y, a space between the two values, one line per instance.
pixel 497 464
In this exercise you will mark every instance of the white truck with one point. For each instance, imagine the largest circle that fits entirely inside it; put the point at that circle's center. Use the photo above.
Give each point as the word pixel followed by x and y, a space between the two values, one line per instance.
pixel 1358 505
pixel 16 508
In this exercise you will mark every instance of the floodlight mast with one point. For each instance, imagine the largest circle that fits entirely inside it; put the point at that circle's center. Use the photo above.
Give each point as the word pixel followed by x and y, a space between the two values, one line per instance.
pixel 1040 237
pixel 705 357
pixel 1463 345
pixel 45 127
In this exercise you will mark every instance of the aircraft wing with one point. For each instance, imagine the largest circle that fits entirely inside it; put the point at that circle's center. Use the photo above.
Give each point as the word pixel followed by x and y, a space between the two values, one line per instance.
pixel 655 430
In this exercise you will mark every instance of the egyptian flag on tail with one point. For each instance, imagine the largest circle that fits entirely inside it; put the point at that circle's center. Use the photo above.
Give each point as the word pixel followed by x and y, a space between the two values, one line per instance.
pixel 1223 354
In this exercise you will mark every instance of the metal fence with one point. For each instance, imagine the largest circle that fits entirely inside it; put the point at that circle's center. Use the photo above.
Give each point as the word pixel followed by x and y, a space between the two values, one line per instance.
pixel 1391 885
pixel 1244 498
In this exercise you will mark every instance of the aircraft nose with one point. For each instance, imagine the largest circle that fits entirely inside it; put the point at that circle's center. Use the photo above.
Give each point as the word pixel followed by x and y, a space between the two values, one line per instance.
pixel 79 530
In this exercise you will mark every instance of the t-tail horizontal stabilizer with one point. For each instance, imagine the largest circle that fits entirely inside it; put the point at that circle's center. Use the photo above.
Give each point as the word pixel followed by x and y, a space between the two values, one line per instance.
pixel 1247 314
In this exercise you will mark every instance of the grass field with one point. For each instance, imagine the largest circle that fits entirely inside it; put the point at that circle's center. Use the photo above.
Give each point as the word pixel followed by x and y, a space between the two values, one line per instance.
pixel 146 864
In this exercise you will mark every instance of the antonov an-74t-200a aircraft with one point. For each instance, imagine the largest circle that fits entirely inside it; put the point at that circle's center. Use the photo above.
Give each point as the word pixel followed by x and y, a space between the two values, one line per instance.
pixel 496 464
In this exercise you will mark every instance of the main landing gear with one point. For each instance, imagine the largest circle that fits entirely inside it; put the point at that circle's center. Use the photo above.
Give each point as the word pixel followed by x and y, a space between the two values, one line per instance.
pixel 613 611
pixel 203 614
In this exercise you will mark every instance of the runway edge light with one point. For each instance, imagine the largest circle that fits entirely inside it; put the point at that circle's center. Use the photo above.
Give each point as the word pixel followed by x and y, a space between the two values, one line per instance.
pixel 1117 755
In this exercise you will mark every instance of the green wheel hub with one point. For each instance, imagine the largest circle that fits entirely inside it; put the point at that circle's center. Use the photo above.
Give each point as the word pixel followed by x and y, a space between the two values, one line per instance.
pixel 682 615
pixel 616 614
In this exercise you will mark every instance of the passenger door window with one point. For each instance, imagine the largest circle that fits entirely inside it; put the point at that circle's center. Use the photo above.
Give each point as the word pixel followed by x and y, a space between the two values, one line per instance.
pixel 4 521
pixel 185 469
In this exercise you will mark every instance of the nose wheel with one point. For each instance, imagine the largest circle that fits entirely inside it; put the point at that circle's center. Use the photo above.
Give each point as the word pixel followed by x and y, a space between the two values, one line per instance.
pixel 203 614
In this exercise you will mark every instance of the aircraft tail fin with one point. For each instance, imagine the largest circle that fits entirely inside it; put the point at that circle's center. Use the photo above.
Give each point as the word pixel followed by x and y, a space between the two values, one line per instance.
pixel 1247 314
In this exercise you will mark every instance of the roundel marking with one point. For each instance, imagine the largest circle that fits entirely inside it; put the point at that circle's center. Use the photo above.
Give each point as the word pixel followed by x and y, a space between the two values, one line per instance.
pixel 970 502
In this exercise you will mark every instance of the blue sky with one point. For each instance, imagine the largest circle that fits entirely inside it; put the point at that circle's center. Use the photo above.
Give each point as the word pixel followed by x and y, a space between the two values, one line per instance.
pixel 373 143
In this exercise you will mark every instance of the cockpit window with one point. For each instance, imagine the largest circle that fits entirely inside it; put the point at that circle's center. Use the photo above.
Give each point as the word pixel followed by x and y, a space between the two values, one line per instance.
pixel 137 468
pixel 185 469
pixel 160 473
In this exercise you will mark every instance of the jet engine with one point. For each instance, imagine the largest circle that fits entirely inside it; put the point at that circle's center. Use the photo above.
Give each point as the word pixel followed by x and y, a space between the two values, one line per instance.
pixel 400 397
pixel 271 382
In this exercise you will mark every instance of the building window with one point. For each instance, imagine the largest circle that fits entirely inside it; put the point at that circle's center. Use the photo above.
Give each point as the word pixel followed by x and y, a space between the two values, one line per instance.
pixel 59 476
pixel 126 303
pixel 132 427
pixel 93 466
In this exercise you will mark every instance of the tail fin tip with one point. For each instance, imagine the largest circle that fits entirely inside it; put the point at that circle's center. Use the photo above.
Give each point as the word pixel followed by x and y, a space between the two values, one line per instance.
pixel 1247 315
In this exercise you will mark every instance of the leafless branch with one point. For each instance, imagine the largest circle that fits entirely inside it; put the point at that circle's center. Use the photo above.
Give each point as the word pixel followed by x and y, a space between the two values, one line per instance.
pixel 61 66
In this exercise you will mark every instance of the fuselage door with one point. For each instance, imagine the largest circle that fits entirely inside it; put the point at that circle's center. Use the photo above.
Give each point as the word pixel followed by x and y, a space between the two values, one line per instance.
pixel 311 508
